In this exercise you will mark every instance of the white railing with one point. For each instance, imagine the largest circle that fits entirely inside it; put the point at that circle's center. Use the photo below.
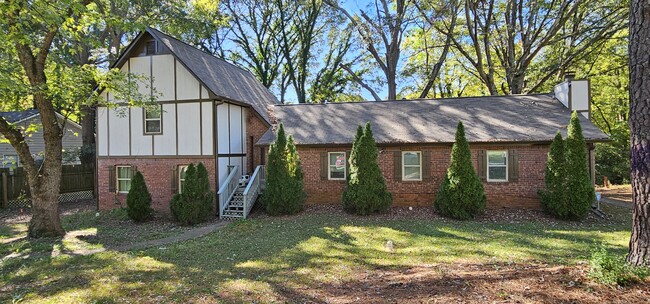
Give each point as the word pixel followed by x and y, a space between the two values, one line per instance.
pixel 255 185
pixel 228 189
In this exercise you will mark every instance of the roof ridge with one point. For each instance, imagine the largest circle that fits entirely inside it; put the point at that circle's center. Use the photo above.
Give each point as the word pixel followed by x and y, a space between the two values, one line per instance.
pixel 415 99
pixel 197 49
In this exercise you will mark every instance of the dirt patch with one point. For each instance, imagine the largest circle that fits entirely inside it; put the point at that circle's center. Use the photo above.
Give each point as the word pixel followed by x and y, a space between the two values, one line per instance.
pixel 472 283
pixel 618 192
pixel 23 215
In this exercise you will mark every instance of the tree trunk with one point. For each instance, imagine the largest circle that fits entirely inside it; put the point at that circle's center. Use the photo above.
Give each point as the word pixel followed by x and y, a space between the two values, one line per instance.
pixel 45 210
pixel 639 122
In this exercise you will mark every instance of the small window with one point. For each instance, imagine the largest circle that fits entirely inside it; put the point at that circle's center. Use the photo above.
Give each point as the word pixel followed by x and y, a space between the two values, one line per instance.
pixel 153 120
pixel 150 49
pixel 124 175
pixel 497 166
pixel 337 166
pixel 412 166
pixel 182 172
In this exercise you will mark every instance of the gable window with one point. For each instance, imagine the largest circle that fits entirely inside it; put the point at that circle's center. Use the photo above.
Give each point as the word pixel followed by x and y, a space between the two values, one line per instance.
pixel 182 173
pixel 153 120
pixel 497 163
pixel 123 176
pixel 150 48
pixel 337 168
pixel 412 165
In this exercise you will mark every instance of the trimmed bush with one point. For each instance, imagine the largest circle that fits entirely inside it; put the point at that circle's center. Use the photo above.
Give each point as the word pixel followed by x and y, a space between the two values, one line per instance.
pixel 195 203
pixel 366 190
pixel 284 192
pixel 580 192
pixel 569 193
pixel 461 194
pixel 553 198
pixel 138 201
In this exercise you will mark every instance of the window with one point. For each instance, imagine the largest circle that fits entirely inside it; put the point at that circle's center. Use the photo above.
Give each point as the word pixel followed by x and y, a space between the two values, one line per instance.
pixel 182 172
pixel 124 175
pixel 153 120
pixel 336 165
pixel 497 166
pixel 150 49
pixel 412 165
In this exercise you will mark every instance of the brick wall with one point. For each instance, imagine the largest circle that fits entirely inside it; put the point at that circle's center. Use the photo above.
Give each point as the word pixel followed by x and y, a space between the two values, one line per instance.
pixel 255 127
pixel 157 174
pixel 519 194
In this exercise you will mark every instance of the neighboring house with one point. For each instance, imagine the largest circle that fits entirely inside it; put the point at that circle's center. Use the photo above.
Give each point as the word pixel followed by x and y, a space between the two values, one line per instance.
pixel 213 112
pixel 30 122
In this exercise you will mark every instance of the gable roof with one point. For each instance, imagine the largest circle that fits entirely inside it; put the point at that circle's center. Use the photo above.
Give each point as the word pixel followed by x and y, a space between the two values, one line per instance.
pixel 20 116
pixel 489 119
pixel 223 79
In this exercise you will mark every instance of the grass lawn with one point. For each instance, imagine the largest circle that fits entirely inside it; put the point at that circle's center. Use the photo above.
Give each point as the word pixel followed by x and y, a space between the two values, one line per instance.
pixel 325 256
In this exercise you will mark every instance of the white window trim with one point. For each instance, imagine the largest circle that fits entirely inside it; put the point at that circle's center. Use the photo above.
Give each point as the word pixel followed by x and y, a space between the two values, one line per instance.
pixel 118 179
pixel 487 160
pixel 180 180
pixel 404 165
pixel 152 119
pixel 329 166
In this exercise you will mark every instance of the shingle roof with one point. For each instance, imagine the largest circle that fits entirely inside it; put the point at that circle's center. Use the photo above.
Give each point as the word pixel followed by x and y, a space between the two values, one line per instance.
pixel 16 116
pixel 224 79
pixel 516 118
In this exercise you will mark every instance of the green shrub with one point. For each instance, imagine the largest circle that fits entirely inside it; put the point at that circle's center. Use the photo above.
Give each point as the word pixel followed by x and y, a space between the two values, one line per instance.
pixel 366 190
pixel 553 197
pixel 195 203
pixel 138 201
pixel 613 270
pixel 461 194
pixel 284 192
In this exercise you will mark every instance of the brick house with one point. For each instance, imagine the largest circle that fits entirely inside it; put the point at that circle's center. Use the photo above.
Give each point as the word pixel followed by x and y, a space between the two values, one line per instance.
pixel 214 112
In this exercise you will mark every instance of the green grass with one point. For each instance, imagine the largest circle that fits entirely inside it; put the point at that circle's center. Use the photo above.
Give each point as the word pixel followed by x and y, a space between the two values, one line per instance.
pixel 269 259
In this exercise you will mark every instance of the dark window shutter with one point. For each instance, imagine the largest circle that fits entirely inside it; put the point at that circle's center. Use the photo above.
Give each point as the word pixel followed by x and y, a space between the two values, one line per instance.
pixel 111 178
pixel 323 165
pixel 426 165
pixel 482 165
pixel 513 165
pixel 347 163
pixel 397 165
pixel 174 179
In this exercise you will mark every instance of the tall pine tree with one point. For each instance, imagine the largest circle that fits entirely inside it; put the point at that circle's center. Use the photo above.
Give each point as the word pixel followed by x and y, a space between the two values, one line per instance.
pixel 284 192
pixel 366 190
pixel 461 194
pixel 554 199
pixel 580 192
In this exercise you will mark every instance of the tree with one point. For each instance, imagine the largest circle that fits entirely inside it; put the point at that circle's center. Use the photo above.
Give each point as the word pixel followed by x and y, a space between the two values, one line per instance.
pixel 554 199
pixel 138 201
pixel 639 49
pixel 504 41
pixel 366 190
pixel 29 30
pixel 579 190
pixel 284 192
pixel 381 33
pixel 461 194
pixel 194 204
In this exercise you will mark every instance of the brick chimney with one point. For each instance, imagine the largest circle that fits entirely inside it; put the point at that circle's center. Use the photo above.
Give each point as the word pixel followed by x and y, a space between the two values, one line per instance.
pixel 574 94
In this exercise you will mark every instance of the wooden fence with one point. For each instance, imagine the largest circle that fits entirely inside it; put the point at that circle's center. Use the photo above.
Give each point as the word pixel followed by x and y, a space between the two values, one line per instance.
pixel 77 181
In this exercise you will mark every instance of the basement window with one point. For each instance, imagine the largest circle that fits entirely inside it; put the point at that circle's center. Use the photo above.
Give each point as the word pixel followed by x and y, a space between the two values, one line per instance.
pixel 153 120
pixel 497 170
pixel 337 168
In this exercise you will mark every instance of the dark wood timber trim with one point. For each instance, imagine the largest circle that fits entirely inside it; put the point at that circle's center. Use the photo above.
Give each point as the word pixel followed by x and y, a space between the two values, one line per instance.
pixel 156 156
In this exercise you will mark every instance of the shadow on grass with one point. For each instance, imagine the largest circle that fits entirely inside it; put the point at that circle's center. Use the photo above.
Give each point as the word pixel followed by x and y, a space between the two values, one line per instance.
pixel 279 259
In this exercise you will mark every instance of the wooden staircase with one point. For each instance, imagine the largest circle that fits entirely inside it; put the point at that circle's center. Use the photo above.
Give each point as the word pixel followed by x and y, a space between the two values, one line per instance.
pixel 239 193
